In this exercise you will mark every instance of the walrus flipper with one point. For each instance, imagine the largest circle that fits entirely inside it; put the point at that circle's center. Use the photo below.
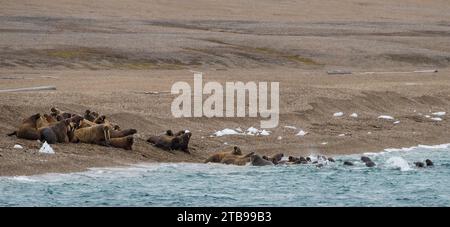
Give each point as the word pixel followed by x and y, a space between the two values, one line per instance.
pixel 12 133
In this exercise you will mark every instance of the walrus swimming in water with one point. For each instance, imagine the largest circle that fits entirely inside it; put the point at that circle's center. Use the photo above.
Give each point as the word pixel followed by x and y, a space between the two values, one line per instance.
pixel 348 163
pixel 122 142
pixel 28 128
pixel 429 162
pixel 218 156
pixel 97 134
pixel 256 160
pixel 239 160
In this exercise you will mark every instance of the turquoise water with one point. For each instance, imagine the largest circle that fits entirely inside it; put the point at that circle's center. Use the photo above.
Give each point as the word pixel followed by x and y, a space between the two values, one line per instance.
pixel 393 182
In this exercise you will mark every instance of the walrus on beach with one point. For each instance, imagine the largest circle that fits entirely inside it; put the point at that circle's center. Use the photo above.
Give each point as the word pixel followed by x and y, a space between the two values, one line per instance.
pixel 239 160
pixel 170 141
pixel 275 159
pixel 257 160
pixel 90 116
pixel 97 134
pixel 122 133
pixel 56 132
pixel 59 114
pixel 218 156
pixel 183 144
pixel 122 142
pixel 28 128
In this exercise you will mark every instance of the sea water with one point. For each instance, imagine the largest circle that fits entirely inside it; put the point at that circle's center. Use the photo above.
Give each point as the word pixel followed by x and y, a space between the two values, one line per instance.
pixel 395 181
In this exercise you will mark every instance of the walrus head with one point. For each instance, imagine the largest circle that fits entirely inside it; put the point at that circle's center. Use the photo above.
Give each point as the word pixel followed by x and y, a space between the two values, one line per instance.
pixel 236 151
pixel 100 120
pixel 169 132
pixel 429 162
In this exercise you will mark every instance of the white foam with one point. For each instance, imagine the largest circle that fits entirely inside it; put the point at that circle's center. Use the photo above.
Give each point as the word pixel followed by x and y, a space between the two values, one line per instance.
pixel 439 113
pixel 301 133
pixel 338 114
pixel 354 115
pixel 386 117
pixel 398 163
pixel 17 146
pixel 46 149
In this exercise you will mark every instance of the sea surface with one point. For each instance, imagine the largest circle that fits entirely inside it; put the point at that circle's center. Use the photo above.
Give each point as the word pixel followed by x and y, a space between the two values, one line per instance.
pixel 395 181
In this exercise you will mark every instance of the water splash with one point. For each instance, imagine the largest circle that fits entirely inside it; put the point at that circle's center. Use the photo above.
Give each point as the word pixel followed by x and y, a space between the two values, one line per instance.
pixel 398 163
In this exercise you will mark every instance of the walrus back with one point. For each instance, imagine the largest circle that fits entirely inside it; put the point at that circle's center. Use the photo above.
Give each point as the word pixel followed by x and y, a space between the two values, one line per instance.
pixel 47 134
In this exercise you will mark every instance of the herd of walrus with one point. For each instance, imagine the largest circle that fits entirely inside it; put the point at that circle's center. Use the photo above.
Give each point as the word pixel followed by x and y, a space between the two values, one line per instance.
pixel 92 128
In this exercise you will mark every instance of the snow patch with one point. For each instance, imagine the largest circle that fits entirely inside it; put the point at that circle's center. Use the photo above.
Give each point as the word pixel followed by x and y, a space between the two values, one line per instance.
pixel 46 149
pixel 338 114
pixel 386 117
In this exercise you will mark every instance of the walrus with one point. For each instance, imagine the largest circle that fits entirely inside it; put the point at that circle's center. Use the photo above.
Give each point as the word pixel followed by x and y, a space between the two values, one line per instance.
pixel 59 114
pixel 419 164
pixel 348 163
pixel 257 160
pixel 28 128
pixel 239 160
pixel 293 159
pixel 429 162
pixel 276 158
pixel 370 164
pixel 100 119
pixel 365 159
pixel 56 132
pixel 183 143
pixel 218 156
pixel 90 116
pixel 122 133
pixel 308 159
pixel 164 142
pixel 330 159
pixel 97 134
pixel 122 142
pixel 301 160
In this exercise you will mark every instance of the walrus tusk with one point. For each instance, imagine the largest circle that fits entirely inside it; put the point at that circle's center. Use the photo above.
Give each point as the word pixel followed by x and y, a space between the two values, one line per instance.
pixel 42 88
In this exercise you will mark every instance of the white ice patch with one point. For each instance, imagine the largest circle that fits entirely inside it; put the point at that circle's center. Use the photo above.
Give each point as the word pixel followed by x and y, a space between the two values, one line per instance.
pixel 225 132
pixel 250 131
pixel 427 116
pixel 436 119
pixel 386 117
pixel 396 122
pixel 301 133
pixel 17 146
pixel 340 135
pixel 354 115
pixel 46 149
pixel 439 113
pixel 290 127
pixel 398 163
pixel 338 114
pixel 279 138
pixel 324 143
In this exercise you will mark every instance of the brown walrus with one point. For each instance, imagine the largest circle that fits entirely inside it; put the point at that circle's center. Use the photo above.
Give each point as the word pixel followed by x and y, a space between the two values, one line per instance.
pixel 122 133
pixel 59 114
pixel 97 134
pixel 183 144
pixel 28 128
pixel 219 156
pixel 56 132
pixel 239 160
pixel 170 141
pixel 257 160
pixel 122 142
pixel 90 116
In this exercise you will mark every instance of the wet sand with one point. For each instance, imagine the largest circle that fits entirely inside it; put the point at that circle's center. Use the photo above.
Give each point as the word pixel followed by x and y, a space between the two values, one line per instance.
pixel 105 58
